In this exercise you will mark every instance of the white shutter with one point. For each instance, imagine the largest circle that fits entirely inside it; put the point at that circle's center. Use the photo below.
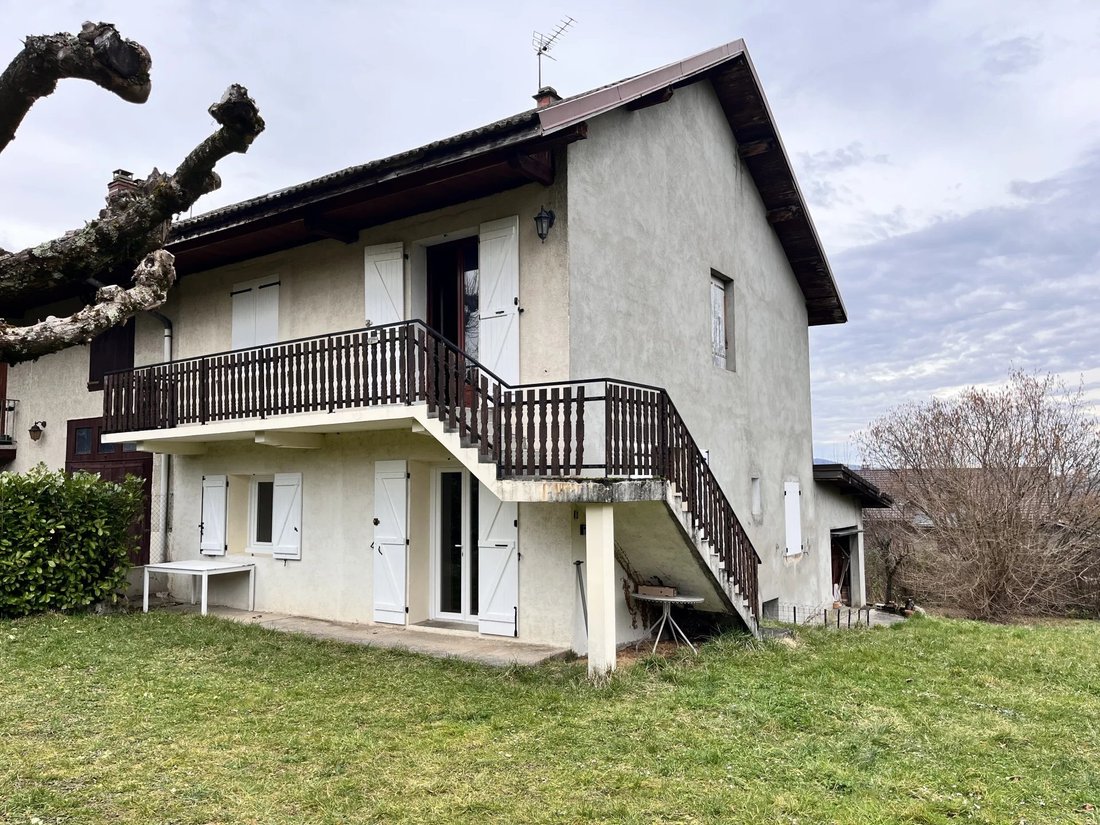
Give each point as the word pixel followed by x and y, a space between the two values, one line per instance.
pixel 212 528
pixel 390 548
pixel 267 314
pixel 497 565
pixel 498 295
pixel 792 512
pixel 255 313
pixel 244 317
pixel 384 284
pixel 286 516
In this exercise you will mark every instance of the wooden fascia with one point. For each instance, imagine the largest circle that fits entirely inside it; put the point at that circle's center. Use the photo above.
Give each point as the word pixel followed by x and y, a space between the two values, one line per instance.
pixel 537 166
pixel 652 99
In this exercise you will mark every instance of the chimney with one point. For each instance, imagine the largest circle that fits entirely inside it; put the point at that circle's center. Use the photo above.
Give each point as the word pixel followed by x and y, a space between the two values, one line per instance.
pixel 546 96
pixel 121 182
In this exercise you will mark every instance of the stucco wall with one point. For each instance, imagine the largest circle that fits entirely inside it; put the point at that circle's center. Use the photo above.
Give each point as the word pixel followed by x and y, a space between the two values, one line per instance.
pixel 658 198
pixel 321 284
pixel 836 511
pixel 334 578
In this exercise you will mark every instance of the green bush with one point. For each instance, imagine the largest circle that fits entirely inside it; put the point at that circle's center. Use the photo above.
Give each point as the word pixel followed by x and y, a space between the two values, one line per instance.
pixel 65 540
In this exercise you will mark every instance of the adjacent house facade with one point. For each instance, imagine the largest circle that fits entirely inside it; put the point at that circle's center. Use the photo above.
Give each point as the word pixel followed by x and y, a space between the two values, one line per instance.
pixel 493 382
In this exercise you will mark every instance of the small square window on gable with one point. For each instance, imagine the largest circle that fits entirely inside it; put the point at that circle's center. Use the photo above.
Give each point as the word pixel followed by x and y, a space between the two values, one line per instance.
pixel 721 320
pixel 111 350
pixel 255 312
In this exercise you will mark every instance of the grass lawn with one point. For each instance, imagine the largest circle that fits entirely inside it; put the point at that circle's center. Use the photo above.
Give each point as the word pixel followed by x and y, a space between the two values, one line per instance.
pixel 183 719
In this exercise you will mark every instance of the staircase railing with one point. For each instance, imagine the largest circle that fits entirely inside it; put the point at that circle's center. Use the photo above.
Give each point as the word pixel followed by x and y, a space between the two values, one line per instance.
pixel 545 430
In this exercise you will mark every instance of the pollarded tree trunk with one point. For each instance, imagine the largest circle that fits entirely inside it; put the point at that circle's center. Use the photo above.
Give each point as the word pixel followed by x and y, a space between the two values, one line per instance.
pixel 133 228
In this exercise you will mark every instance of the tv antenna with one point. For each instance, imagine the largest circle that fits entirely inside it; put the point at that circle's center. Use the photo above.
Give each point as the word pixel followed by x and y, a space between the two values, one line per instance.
pixel 544 42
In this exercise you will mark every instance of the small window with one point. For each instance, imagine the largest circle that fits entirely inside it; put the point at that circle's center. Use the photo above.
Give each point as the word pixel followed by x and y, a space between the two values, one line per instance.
pixel 260 524
pixel 721 315
pixel 757 501
pixel 83 441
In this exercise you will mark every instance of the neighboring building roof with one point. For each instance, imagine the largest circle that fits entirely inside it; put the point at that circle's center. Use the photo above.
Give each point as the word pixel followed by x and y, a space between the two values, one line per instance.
pixel 512 152
pixel 852 483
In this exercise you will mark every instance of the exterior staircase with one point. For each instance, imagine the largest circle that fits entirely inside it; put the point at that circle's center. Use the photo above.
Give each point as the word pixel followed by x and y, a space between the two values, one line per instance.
pixel 599 440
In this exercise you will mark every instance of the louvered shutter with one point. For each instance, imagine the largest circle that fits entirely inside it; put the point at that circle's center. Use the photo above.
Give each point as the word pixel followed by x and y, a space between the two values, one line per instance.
pixel 286 516
pixel 212 528
pixel 498 297
pixel 384 284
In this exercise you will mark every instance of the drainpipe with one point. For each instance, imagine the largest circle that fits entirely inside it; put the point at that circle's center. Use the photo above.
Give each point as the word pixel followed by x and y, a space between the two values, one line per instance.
pixel 165 458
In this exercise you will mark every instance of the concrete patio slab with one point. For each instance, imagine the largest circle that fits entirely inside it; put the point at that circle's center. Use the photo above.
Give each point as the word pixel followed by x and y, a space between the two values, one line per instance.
pixel 486 650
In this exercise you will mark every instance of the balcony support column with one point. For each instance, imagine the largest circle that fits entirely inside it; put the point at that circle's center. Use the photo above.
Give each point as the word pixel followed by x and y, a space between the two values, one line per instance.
pixel 600 586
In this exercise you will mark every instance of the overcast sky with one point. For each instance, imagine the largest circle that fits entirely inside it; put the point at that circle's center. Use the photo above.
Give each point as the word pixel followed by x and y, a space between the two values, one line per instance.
pixel 950 151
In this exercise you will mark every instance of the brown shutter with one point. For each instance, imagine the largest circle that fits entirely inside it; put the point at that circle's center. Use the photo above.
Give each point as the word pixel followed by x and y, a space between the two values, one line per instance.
pixel 111 350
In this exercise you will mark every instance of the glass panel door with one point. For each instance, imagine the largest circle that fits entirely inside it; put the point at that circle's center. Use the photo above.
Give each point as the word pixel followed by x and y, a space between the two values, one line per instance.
pixel 450 543
pixel 456 547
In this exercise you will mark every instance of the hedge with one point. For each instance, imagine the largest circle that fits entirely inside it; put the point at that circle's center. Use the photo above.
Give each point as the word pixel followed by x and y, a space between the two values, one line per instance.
pixel 65 540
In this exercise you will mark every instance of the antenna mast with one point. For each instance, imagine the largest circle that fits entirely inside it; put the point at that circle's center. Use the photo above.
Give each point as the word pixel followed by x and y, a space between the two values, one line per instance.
pixel 543 42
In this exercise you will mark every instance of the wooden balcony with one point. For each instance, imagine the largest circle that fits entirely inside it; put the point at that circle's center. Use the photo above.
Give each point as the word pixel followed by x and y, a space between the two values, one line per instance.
pixel 601 428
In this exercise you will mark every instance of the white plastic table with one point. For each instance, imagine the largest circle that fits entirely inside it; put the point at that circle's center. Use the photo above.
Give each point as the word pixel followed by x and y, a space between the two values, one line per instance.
pixel 666 603
pixel 202 569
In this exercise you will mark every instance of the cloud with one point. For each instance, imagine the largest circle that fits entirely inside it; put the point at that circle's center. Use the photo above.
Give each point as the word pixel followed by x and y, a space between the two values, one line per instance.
pixel 1012 56
pixel 962 302
pixel 829 161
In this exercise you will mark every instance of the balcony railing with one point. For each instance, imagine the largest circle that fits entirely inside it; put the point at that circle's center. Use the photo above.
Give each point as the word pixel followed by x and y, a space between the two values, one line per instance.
pixel 571 429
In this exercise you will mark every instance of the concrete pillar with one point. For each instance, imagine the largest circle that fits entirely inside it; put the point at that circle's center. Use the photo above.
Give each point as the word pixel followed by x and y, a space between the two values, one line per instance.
pixel 600 571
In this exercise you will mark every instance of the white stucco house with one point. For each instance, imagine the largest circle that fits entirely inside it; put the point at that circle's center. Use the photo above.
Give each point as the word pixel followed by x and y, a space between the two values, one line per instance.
pixel 405 406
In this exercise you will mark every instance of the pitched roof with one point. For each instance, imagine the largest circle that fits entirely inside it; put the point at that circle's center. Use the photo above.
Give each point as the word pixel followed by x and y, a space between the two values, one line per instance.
pixel 492 157
pixel 852 483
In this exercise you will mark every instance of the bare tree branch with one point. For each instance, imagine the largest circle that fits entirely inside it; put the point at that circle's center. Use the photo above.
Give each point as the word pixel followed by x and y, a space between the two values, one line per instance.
pixel 113 305
pixel 998 497
pixel 132 227
pixel 99 54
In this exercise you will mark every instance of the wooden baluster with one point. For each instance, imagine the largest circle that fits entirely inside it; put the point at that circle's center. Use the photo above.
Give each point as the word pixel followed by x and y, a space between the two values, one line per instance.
pixel 498 428
pixel 555 433
pixel 507 432
pixel 611 426
pixel 532 444
pixel 567 429
pixel 580 430
pixel 484 447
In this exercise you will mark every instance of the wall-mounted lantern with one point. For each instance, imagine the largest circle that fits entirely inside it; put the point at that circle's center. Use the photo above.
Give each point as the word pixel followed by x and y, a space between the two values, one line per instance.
pixel 35 432
pixel 543 221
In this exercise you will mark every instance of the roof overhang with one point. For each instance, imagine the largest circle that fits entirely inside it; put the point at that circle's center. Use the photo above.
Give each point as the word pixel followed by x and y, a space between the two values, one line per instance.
pixel 848 482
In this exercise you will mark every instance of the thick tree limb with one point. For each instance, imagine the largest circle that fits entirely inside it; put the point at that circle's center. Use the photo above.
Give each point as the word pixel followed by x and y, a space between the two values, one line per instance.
pixel 99 54
pixel 134 225
pixel 113 305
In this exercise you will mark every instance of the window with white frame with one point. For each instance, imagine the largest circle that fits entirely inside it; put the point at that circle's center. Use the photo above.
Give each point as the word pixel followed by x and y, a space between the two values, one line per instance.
pixel 721 320
pixel 275 515
pixel 260 515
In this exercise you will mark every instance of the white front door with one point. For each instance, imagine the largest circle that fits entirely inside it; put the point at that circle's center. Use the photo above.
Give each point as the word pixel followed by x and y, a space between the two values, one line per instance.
pixel 390 546
pixel 498 563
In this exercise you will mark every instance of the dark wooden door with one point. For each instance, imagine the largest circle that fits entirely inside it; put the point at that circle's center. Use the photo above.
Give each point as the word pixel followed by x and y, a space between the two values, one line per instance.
pixel 85 451
pixel 842 566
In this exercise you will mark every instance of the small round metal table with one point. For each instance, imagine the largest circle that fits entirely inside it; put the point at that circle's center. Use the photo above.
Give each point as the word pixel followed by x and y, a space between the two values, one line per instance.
pixel 666 603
